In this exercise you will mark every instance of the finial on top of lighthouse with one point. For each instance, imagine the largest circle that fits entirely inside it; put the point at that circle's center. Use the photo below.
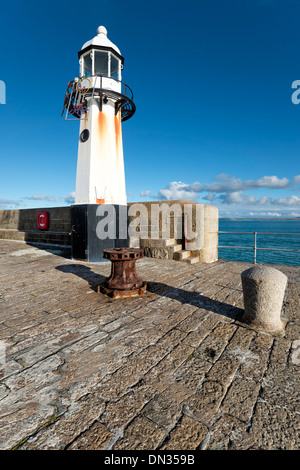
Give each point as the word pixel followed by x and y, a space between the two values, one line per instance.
pixel 101 40
pixel 102 30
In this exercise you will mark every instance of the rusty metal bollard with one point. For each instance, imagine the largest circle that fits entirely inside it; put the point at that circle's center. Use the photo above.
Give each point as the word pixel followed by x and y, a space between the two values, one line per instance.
pixel 123 280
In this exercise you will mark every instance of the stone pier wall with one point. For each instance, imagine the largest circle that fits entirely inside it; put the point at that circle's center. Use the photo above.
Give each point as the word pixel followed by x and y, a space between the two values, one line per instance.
pixel 21 224
pixel 148 217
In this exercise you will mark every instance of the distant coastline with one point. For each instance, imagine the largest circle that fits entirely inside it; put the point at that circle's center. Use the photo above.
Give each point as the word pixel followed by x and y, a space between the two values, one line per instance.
pixel 260 218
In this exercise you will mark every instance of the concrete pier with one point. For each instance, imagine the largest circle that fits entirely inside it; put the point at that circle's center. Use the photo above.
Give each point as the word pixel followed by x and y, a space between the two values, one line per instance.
pixel 174 369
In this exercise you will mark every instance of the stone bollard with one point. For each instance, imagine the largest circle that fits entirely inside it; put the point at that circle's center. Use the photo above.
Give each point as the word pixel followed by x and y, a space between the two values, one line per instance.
pixel 263 290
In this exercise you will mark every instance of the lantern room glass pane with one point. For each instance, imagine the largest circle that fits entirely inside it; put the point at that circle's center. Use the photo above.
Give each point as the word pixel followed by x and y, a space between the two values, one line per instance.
pixel 114 67
pixel 101 63
pixel 87 65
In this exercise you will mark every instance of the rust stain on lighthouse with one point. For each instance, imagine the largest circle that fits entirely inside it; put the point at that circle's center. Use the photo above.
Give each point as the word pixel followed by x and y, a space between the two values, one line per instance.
pixel 118 133
pixel 102 127
pixel 85 121
pixel 102 124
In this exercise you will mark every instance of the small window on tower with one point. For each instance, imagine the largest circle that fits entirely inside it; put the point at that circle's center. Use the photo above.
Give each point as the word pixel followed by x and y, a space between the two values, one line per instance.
pixel 101 63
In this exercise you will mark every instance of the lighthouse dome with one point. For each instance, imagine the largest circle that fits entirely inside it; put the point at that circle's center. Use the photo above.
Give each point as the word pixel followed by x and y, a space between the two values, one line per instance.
pixel 101 40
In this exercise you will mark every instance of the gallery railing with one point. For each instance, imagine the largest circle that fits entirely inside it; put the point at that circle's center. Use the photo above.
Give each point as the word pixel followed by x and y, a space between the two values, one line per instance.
pixel 254 247
pixel 101 88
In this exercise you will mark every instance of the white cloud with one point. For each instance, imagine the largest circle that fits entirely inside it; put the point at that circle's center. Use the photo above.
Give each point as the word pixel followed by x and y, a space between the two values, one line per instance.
pixel 270 182
pixel 211 197
pixel 237 197
pixel 68 198
pixel 179 190
pixel 197 187
pixel 230 190
pixel 232 198
pixel 296 179
pixel 42 197
pixel 287 201
pixel 146 193
pixel 225 183
pixel 265 214
pixel 8 204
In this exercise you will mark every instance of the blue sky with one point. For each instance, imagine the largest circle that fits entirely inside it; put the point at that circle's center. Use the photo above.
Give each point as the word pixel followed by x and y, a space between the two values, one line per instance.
pixel 212 83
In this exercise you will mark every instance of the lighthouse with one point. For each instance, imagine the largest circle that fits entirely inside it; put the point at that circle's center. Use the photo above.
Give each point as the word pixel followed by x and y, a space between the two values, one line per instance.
pixel 101 102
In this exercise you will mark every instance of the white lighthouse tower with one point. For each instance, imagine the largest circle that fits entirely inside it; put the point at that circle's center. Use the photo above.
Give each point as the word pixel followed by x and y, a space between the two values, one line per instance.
pixel 101 101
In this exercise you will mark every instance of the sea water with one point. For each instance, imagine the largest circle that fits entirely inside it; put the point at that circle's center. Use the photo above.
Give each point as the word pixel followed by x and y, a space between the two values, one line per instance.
pixel 263 240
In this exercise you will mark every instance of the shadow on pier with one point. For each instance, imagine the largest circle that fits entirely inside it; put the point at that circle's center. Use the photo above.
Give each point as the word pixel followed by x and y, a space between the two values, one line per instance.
pixel 94 279
pixel 180 295
pixel 195 299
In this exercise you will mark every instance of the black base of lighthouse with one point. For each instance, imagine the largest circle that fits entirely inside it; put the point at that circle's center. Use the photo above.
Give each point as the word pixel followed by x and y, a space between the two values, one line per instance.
pixel 96 227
